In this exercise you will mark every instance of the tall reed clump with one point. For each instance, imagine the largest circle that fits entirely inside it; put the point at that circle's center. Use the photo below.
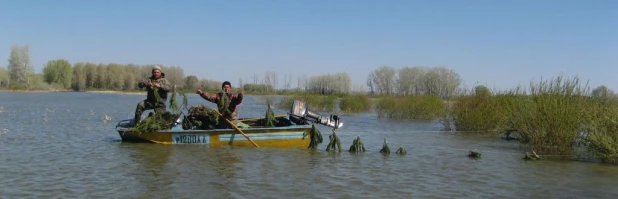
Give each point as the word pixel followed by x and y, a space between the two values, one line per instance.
pixel 355 103
pixel 554 115
pixel 425 107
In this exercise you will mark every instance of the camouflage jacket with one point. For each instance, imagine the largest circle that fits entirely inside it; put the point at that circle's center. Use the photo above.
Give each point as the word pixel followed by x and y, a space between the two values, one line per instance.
pixel 234 100
pixel 162 91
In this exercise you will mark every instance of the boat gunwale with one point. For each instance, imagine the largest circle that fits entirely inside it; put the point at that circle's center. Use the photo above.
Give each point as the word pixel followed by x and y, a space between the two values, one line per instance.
pixel 291 127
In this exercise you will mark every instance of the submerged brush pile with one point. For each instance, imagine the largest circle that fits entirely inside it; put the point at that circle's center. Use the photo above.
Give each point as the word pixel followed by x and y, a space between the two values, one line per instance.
pixel 385 149
pixel 335 143
pixel 357 146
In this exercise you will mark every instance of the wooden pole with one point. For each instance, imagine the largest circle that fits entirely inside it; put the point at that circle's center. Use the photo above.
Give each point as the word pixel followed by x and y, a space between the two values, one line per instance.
pixel 236 128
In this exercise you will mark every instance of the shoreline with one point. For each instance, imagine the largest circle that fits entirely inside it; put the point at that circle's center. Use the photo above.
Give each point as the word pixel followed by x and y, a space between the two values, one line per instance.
pixel 72 91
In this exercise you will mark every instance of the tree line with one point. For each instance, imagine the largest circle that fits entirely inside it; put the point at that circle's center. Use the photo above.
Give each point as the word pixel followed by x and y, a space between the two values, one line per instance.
pixel 83 76
pixel 80 76
pixel 407 81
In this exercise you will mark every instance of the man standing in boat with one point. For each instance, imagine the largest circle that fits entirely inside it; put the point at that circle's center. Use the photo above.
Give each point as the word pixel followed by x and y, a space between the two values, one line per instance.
pixel 230 112
pixel 156 98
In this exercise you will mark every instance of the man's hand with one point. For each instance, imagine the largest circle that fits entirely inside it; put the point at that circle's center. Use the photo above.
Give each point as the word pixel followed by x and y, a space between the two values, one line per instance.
pixel 141 84
pixel 199 91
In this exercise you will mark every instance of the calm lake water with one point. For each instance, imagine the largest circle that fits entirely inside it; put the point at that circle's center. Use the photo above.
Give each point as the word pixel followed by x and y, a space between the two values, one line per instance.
pixel 60 145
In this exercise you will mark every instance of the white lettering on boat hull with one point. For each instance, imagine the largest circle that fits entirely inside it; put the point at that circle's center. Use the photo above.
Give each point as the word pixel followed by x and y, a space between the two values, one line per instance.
pixel 190 139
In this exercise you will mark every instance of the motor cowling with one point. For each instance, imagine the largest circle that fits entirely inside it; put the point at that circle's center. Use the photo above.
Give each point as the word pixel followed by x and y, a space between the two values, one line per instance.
pixel 299 109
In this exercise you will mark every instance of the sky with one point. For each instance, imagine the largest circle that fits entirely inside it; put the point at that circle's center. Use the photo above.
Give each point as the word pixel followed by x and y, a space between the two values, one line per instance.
pixel 497 43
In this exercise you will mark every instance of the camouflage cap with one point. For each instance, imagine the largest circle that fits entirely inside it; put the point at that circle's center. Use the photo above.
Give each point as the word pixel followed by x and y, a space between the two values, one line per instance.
pixel 157 67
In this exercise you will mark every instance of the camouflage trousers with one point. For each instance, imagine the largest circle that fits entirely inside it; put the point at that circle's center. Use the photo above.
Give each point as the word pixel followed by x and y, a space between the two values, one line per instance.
pixel 233 118
pixel 224 125
pixel 146 105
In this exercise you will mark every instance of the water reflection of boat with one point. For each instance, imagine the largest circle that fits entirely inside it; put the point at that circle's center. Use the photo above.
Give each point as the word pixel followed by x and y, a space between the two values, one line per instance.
pixel 150 167
pixel 292 131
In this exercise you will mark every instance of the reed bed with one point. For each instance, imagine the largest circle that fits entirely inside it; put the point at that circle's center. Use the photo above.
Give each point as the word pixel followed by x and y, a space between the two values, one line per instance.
pixel 314 102
pixel 355 103
pixel 552 117
pixel 424 107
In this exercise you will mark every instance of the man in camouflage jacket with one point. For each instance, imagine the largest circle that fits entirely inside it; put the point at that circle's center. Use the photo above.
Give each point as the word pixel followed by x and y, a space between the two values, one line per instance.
pixel 233 100
pixel 156 84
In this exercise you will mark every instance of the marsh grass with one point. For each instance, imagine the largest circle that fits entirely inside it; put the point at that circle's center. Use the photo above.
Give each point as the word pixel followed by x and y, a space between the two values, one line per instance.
pixel 314 102
pixel 355 103
pixel 552 117
pixel 424 107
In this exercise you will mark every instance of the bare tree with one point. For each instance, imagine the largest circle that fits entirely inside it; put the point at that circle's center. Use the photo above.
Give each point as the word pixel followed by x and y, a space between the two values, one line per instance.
pixel 287 82
pixel 255 78
pixel 383 80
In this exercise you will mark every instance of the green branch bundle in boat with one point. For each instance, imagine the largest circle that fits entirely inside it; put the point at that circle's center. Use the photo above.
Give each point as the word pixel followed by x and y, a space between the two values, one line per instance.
pixel 224 104
pixel 156 122
pixel 270 117
pixel 201 117
pixel 160 121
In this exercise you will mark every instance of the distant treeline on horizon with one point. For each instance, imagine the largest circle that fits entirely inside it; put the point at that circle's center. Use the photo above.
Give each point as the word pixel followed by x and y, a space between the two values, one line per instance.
pixel 80 76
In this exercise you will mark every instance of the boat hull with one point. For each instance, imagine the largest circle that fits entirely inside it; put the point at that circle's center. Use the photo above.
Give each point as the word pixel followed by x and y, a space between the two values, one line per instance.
pixel 291 136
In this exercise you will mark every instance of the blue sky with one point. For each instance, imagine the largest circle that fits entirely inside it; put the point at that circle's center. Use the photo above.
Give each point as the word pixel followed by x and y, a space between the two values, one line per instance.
pixel 498 43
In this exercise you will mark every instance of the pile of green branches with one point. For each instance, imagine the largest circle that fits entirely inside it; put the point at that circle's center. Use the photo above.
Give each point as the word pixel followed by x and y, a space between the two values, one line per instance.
pixel 161 121
pixel 156 122
pixel 201 117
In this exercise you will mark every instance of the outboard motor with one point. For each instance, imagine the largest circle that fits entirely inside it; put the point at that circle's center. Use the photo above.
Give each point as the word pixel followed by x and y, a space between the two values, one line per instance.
pixel 299 110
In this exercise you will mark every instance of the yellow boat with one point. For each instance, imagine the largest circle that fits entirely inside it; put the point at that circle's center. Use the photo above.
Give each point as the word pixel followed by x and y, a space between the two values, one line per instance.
pixel 293 133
